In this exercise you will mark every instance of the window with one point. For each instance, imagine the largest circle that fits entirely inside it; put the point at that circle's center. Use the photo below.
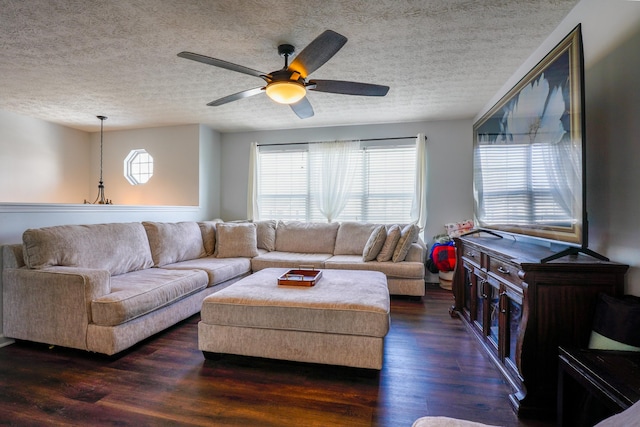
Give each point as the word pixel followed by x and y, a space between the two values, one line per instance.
pixel 138 167
pixel 518 186
pixel 382 191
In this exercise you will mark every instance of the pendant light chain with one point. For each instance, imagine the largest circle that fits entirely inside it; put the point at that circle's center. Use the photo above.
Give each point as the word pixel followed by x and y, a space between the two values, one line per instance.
pixel 101 200
pixel 102 119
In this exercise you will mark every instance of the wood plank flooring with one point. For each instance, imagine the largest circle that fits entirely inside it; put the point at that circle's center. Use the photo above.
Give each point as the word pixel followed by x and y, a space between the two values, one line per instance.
pixel 431 367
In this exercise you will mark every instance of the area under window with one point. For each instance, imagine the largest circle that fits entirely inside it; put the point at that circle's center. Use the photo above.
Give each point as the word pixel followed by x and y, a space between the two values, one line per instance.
pixel 138 167
pixel 382 190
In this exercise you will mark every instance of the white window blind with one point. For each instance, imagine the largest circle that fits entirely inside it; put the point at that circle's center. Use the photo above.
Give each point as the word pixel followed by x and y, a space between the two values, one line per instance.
pixel 515 186
pixel 283 192
pixel 382 191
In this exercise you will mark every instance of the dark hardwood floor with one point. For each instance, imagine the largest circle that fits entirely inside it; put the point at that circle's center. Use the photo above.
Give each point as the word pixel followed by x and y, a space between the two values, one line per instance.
pixel 431 367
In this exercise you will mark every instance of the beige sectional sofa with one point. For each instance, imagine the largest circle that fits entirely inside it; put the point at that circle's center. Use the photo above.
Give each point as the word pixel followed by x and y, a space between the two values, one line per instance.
pixel 105 287
pixel 337 246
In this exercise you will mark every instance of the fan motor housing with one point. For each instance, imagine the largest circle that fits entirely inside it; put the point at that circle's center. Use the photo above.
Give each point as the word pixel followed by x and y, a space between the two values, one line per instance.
pixel 285 75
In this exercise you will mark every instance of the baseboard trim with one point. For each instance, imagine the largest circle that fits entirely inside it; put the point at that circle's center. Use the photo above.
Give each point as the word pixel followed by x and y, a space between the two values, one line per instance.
pixel 4 341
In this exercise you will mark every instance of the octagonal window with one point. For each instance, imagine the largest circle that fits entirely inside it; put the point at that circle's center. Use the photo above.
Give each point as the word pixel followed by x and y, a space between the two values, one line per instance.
pixel 138 167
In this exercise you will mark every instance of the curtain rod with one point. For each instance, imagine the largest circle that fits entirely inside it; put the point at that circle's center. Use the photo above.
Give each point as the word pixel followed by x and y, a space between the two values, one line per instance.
pixel 364 139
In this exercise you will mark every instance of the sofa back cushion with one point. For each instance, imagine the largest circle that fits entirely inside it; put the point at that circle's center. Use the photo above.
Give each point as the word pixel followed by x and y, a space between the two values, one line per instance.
pixel 117 247
pixel 352 238
pixel 174 241
pixel 266 234
pixel 306 237
pixel 208 229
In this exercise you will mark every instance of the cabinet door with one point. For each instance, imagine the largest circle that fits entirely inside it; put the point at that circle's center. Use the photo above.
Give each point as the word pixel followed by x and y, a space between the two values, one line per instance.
pixel 472 304
pixel 494 313
pixel 482 305
pixel 469 290
pixel 512 309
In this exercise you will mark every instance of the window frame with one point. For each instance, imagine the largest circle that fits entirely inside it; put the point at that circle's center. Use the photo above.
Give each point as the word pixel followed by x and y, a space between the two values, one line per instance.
pixel 138 177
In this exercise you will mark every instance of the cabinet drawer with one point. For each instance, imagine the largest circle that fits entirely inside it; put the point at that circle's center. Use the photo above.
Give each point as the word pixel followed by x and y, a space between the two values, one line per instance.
pixel 506 271
pixel 472 255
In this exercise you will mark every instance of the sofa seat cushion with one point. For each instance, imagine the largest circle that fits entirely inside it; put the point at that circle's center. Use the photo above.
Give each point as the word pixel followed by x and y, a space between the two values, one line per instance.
pixel 219 270
pixel 404 270
pixel 346 303
pixel 138 293
pixel 288 260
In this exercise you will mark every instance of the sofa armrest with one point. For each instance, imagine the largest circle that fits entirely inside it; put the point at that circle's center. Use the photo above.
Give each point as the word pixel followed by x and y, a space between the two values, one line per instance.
pixel 12 256
pixel 417 252
pixel 51 305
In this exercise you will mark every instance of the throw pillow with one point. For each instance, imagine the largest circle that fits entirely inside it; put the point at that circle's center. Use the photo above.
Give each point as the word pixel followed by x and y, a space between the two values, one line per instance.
pixel 374 245
pixel 407 236
pixel 616 323
pixel 208 229
pixel 393 235
pixel 236 240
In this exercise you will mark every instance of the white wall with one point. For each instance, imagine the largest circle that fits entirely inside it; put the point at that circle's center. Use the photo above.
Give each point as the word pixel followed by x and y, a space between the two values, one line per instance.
pixel 613 130
pixel 449 156
pixel 176 159
pixel 41 162
pixel 210 173
pixel 611 41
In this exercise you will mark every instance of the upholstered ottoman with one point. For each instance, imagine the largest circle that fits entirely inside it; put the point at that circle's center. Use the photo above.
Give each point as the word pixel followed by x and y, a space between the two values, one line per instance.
pixel 342 320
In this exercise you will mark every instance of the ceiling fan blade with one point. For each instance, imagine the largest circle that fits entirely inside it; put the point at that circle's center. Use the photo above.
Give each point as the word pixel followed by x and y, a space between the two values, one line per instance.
pixel 236 96
pixel 223 64
pixel 302 108
pixel 317 52
pixel 348 88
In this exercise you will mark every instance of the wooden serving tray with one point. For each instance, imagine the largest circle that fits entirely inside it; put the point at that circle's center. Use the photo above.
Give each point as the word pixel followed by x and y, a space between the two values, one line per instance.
pixel 300 277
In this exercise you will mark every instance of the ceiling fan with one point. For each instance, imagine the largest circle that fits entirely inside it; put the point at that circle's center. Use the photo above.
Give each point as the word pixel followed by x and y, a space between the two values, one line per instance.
pixel 289 85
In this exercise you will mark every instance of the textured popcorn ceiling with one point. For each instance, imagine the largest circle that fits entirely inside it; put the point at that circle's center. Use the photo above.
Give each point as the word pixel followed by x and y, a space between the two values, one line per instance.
pixel 68 61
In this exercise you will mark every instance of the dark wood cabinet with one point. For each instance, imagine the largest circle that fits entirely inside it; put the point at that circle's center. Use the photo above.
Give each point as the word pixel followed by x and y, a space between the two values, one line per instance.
pixel 521 310
pixel 596 384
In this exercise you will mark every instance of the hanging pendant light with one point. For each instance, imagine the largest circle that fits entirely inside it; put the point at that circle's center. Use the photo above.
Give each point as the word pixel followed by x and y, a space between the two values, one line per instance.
pixel 101 200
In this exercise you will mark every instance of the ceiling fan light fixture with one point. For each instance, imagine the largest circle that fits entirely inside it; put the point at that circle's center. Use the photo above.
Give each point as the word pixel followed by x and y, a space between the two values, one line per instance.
pixel 286 92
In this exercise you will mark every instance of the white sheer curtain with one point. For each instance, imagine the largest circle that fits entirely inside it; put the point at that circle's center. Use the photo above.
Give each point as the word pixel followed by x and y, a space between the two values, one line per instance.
pixel 331 167
pixel 253 190
pixel 563 170
pixel 419 205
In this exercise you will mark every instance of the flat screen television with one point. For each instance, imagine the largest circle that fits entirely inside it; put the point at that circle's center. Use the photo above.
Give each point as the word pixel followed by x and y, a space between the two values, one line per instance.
pixel 529 154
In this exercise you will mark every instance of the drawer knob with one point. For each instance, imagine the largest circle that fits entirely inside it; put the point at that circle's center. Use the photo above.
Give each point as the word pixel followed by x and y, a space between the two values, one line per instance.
pixel 503 270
